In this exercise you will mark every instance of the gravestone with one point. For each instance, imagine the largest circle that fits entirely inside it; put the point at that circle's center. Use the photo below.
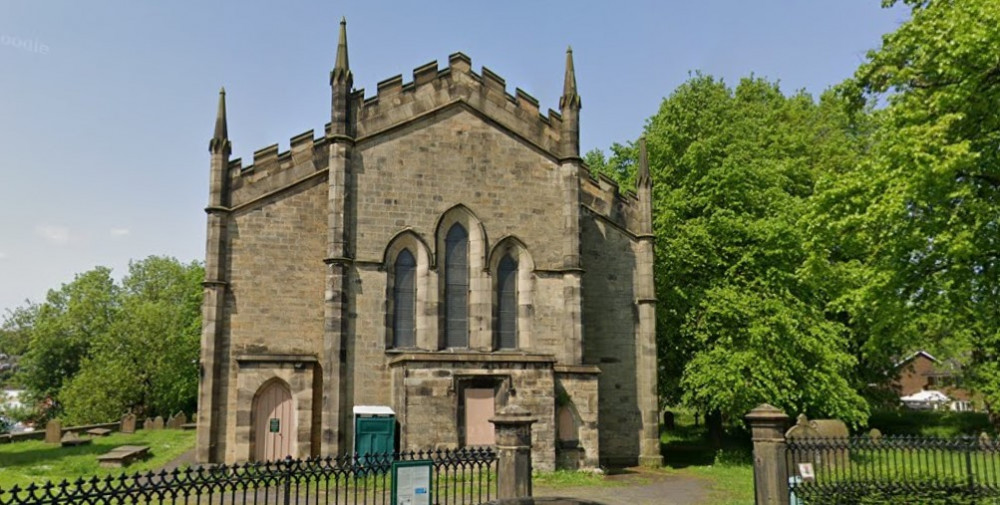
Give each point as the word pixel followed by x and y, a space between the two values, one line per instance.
pixel 176 421
pixel 831 428
pixel 71 439
pixel 668 420
pixel 802 431
pixel 158 423
pixel 53 432
pixel 147 424
pixel 128 423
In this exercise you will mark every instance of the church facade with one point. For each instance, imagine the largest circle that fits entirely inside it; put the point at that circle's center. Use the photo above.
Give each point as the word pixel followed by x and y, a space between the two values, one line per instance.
pixel 439 252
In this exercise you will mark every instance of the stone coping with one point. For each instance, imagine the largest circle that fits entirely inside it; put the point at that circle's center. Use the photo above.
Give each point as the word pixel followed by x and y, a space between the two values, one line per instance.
pixel 577 369
pixel 467 357
pixel 277 358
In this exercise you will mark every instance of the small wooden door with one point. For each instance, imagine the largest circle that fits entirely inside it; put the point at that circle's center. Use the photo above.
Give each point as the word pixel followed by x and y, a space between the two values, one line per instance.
pixel 273 423
pixel 479 408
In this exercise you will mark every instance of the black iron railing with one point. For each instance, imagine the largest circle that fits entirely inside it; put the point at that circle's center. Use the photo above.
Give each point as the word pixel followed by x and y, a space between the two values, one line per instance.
pixel 847 470
pixel 459 477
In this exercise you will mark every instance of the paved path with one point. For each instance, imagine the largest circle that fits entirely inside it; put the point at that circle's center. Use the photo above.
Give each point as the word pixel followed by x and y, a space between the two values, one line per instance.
pixel 638 487
pixel 186 459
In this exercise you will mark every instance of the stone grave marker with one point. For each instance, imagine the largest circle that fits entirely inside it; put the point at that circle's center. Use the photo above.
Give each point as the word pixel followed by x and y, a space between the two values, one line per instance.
pixel 53 432
pixel 668 420
pixel 158 423
pixel 147 424
pixel 176 421
pixel 128 423
pixel 831 428
pixel 71 439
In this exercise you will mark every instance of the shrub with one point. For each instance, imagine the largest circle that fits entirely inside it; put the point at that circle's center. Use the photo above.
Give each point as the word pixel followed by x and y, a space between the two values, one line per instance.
pixel 930 423
pixel 872 493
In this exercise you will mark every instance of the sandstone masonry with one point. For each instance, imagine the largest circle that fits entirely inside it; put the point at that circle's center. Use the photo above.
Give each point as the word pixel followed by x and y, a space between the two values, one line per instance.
pixel 333 279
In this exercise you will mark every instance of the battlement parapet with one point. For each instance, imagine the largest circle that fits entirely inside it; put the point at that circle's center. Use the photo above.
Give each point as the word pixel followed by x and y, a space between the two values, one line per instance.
pixel 396 104
pixel 273 170
pixel 432 89
pixel 602 195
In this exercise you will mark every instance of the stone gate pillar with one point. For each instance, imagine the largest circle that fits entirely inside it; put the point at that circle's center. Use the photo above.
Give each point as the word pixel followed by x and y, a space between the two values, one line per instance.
pixel 513 435
pixel 770 474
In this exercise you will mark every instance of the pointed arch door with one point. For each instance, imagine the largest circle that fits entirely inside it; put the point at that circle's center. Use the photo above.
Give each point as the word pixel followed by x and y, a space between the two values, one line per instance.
pixel 273 422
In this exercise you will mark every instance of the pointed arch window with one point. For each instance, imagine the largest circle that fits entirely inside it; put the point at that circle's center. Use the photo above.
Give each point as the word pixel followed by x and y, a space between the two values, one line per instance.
pixel 456 291
pixel 404 299
pixel 506 327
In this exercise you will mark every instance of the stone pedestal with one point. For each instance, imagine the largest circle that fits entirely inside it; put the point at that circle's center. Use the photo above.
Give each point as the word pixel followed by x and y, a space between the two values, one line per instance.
pixel 513 436
pixel 770 474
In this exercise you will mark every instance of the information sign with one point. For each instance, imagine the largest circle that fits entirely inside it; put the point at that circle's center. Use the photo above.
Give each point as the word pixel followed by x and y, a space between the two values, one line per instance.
pixel 411 482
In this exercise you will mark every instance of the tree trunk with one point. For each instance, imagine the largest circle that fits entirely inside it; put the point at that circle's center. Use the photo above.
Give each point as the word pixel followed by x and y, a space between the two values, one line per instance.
pixel 713 420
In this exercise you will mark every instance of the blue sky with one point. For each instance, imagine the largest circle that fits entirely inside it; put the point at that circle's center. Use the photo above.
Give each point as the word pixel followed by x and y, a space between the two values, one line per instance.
pixel 106 108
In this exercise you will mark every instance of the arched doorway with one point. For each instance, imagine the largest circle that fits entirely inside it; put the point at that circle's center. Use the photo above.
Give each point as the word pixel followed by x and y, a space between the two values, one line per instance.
pixel 273 418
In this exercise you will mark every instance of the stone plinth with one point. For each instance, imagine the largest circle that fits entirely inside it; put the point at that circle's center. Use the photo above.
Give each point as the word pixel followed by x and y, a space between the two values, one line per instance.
pixel 513 436
pixel 767 425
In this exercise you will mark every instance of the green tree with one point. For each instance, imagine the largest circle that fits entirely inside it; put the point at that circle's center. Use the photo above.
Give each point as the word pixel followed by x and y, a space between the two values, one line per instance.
pixel 15 329
pixel 919 217
pixel 64 327
pixel 148 360
pixel 739 321
pixel 619 167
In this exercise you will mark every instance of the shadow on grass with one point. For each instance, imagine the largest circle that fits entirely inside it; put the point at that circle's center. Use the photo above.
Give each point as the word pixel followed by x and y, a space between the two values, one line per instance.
pixel 688 444
pixel 54 452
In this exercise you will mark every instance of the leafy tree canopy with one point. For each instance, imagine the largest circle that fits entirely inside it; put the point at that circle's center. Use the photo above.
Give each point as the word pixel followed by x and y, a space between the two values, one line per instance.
pixel 918 218
pixel 100 348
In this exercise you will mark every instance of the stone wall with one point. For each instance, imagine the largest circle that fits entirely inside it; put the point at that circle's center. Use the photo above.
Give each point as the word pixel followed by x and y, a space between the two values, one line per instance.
pixel 581 388
pixel 609 334
pixel 451 146
pixel 410 177
pixel 276 273
pixel 430 386
pixel 274 304
pixel 256 371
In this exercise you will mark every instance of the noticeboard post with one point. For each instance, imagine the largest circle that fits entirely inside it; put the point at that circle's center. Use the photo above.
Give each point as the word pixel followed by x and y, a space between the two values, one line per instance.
pixel 411 482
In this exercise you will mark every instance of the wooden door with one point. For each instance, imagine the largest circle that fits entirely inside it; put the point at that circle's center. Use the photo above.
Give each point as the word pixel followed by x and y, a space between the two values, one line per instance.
pixel 479 408
pixel 273 423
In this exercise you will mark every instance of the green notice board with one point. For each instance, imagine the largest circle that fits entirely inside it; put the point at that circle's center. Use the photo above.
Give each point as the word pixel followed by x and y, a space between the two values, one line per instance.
pixel 411 482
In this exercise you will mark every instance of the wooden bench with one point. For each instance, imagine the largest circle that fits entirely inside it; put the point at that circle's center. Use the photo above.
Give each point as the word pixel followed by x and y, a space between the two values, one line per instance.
pixel 123 455
pixel 99 432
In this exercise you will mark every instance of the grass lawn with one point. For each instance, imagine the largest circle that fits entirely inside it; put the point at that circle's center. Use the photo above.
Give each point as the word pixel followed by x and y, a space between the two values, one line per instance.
pixel 729 484
pixel 727 473
pixel 561 479
pixel 35 461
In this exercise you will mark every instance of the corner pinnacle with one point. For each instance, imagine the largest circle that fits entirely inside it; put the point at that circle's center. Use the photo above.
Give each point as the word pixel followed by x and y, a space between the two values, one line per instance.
pixel 642 178
pixel 221 129
pixel 220 139
pixel 341 69
pixel 569 96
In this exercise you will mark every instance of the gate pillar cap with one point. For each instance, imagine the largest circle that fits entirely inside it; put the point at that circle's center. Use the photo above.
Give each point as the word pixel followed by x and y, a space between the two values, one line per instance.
pixel 766 412
pixel 767 423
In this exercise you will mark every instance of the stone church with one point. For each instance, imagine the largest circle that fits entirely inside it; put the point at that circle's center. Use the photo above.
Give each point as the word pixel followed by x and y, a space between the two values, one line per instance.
pixel 438 253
